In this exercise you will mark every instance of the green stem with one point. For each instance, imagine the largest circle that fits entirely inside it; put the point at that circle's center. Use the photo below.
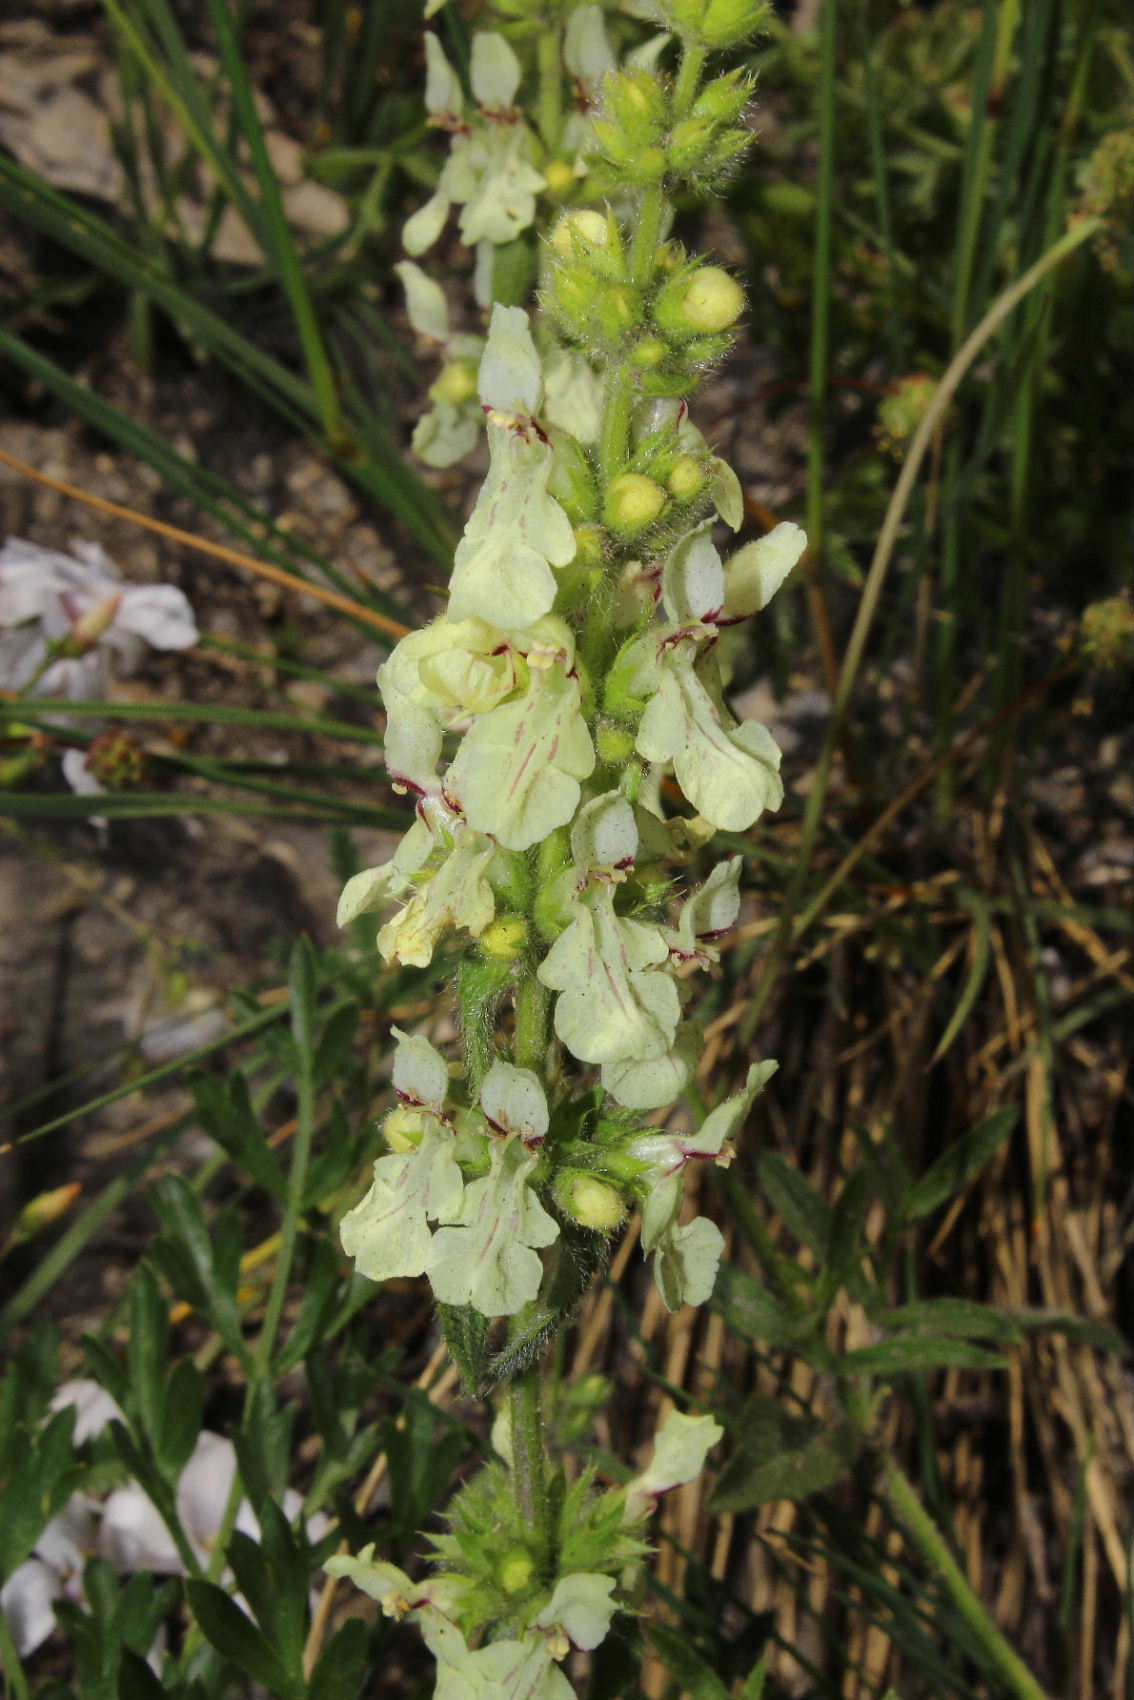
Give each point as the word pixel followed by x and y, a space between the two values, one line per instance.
pixel 647 237
pixel 688 76
pixel 549 109
pixel 927 1537
pixel 531 1025
pixel 529 1463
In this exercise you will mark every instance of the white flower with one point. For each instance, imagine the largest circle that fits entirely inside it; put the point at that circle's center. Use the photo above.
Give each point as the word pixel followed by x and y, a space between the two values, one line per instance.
pixel 517 533
pixel 489 1258
pixel 93 1408
pixel 53 1572
pixel 489 173
pixel 440 874
pixel 451 429
pixel 686 1258
pixel 515 1104
pixel 45 595
pixel 388 1232
pixel 517 772
pixel 754 574
pixel 581 1607
pixel 729 772
pixel 617 1002
pixel 681 1446
pixel 133 1534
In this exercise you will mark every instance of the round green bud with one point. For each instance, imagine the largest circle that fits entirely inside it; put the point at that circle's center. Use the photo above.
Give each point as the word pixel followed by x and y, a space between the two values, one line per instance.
pixel 589 550
pixel 403 1128
pixel 650 352
pixel 515 1570
pixel 591 1202
pixel 559 178
pixel 589 229
pixel 456 382
pixel 504 939
pixel 707 301
pixel 633 502
pixel 687 479
pixel 614 744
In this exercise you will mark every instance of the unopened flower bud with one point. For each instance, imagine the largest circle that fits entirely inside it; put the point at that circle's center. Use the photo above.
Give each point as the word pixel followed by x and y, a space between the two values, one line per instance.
pixel 559 178
pixel 590 1201
pixel 635 100
pixel 589 550
pixel 403 1128
pixel 703 302
pixel 579 228
pixel 715 23
pixel 515 1570
pixel 648 353
pixel 89 627
pixel 687 479
pixel 614 745
pixel 43 1211
pixel 633 502
pixel 504 939
pixel 455 383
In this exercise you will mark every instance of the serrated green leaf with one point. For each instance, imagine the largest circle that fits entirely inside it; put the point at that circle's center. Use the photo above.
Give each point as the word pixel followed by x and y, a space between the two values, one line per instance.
pixel 965 1158
pixel 466 1336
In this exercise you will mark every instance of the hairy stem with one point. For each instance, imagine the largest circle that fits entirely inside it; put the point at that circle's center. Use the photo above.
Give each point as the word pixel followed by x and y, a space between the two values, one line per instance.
pixel 529 1462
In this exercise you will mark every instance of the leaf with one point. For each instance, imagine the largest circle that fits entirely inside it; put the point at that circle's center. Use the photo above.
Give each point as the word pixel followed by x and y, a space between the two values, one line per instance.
pixel 181 1417
pixel 227 1116
pixel 782 1456
pixel 335 1042
pixel 237 1638
pixel 796 1202
pixel 318 1293
pixel 980 949
pixel 184 1254
pixel 303 980
pixel 964 1159
pixel 752 1311
pixel 149 1338
pixel 466 1336
pixel 342 1665
pixel 754 1682
pixel 961 1318
pixel 904 1354
pixel 696 1679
